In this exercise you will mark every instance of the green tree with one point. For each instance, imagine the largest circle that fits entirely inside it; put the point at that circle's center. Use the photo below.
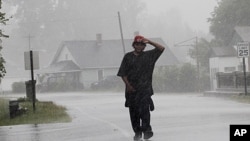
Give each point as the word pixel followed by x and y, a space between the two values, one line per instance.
pixel 188 78
pixel 171 79
pixel 227 15
pixel 3 21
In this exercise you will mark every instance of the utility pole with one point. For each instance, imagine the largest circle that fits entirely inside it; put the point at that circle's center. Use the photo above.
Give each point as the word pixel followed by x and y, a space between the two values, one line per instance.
pixel 197 56
pixel 120 25
pixel 197 63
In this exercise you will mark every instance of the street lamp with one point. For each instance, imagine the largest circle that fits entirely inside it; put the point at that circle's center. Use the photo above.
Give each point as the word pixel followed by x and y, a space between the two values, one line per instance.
pixel 182 43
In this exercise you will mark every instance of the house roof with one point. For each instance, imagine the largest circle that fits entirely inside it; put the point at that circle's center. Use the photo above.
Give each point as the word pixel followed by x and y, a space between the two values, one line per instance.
pixel 61 66
pixel 223 52
pixel 109 53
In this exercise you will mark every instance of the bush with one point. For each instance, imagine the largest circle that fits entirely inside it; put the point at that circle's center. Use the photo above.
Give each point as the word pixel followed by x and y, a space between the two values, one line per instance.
pixel 180 79
pixel 166 79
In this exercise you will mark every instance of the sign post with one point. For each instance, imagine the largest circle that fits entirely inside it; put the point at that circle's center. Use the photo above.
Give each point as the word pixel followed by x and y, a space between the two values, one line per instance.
pixel 243 51
pixel 31 60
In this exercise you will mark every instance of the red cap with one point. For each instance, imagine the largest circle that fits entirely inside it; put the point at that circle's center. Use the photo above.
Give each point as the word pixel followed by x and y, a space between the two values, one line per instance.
pixel 138 38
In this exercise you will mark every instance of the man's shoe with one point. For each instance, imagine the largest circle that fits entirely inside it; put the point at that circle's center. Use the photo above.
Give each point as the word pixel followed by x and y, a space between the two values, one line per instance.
pixel 148 134
pixel 138 136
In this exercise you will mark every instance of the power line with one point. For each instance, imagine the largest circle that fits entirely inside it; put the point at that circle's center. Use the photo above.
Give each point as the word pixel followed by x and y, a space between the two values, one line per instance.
pixel 84 19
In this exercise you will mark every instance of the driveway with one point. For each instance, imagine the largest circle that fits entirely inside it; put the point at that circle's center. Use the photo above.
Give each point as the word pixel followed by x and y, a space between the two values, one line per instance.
pixel 103 117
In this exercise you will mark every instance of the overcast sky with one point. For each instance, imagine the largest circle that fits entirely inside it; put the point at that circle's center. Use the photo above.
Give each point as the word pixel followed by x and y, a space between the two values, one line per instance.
pixel 194 12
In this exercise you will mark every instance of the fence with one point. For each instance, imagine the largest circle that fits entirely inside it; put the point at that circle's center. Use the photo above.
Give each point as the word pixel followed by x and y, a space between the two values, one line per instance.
pixel 232 81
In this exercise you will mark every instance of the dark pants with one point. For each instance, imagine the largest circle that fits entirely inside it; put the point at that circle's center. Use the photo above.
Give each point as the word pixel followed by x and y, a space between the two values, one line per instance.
pixel 140 116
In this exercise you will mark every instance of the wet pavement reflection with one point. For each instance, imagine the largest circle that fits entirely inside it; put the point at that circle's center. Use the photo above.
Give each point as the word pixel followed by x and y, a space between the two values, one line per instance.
pixel 102 117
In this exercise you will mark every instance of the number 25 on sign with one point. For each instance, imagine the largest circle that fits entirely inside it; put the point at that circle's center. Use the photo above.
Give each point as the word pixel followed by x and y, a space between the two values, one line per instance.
pixel 243 49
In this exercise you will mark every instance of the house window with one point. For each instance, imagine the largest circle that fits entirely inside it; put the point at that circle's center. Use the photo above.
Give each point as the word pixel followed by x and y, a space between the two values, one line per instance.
pixel 229 69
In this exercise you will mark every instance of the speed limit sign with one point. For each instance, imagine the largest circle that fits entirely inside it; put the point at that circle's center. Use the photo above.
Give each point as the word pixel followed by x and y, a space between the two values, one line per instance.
pixel 243 49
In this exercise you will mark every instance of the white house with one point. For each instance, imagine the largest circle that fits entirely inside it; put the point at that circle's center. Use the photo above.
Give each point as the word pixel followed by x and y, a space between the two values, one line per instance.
pixel 88 61
pixel 225 59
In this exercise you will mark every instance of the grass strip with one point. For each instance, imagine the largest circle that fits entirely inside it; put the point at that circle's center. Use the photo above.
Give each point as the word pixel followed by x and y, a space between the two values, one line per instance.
pixel 242 98
pixel 46 112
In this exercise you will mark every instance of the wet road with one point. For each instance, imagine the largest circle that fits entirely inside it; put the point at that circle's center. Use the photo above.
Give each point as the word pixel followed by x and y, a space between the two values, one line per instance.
pixel 102 117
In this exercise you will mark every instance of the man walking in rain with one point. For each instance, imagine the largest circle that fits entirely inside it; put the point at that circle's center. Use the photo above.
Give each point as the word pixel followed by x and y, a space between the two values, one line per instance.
pixel 136 72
